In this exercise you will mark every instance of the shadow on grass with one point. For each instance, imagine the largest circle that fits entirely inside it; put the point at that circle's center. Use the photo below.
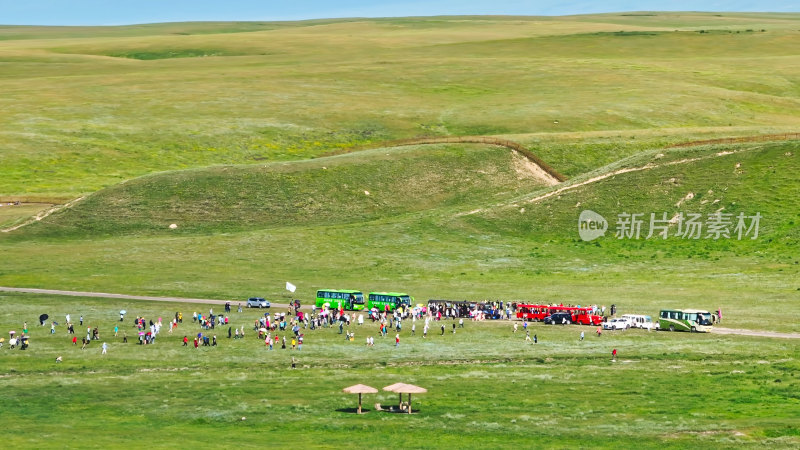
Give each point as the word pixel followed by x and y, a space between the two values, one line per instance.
pixel 353 410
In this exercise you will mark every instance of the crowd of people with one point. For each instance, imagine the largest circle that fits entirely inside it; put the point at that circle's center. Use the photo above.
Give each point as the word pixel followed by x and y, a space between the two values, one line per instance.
pixel 287 329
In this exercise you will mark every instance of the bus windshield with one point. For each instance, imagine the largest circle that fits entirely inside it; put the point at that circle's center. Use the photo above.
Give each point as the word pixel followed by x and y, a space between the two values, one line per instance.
pixel 406 300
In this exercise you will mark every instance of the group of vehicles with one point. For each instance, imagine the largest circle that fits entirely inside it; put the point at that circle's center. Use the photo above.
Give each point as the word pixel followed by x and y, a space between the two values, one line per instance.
pixel 352 300
pixel 693 320
pixel 560 314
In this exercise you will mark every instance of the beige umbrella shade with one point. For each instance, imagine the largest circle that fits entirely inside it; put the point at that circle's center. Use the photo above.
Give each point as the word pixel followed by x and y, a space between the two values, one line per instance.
pixel 403 388
pixel 360 389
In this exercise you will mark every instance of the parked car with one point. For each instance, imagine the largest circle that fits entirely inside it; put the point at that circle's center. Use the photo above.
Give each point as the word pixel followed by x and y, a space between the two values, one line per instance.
pixel 257 302
pixel 559 318
pixel 617 323
pixel 640 321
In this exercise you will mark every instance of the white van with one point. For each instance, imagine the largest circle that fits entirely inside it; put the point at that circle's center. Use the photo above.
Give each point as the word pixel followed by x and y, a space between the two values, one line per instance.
pixel 640 321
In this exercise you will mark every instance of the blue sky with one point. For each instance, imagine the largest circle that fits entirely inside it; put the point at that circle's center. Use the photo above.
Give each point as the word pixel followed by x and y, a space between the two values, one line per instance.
pixel 118 12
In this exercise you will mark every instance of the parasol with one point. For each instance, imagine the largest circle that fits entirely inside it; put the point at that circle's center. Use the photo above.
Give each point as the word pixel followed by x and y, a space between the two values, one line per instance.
pixel 360 389
pixel 403 388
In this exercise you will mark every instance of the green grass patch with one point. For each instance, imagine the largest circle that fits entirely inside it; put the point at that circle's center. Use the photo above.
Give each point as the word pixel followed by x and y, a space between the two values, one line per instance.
pixel 484 384
pixel 171 53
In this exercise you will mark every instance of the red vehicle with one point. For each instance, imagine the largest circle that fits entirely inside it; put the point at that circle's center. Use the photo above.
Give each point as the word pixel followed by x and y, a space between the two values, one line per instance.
pixel 535 313
pixel 584 316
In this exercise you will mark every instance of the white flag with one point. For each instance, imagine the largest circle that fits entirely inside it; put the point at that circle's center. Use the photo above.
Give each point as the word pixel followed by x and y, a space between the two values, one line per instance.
pixel 290 287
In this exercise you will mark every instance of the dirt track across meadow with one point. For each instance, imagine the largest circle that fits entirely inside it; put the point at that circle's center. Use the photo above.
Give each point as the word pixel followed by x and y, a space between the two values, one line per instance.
pixel 131 297
pixel 759 333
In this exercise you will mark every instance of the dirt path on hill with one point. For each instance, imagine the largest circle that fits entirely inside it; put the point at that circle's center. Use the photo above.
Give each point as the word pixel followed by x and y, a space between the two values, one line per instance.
pixel 132 297
pixel 41 215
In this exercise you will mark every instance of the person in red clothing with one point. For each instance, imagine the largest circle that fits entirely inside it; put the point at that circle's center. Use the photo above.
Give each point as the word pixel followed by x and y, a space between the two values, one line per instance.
pixel 195 342
pixel 397 340
pixel 74 340
pixel 614 355
pixel 185 341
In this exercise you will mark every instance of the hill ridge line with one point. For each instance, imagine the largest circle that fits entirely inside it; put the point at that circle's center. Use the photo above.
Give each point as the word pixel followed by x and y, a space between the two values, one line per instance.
pixel 489 140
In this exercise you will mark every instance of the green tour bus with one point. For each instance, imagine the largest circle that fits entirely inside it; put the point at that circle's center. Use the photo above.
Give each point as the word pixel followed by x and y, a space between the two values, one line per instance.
pixel 694 320
pixel 392 300
pixel 340 299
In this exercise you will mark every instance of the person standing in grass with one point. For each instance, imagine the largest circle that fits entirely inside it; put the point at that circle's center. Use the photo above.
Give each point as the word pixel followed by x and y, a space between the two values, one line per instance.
pixel 105 348
pixel 581 335
pixel 185 341
pixel 527 335
pixel 614 355
pixel 397 340
pixel 535 339
pixel 515 327
pixel 116 330
pixel 442 330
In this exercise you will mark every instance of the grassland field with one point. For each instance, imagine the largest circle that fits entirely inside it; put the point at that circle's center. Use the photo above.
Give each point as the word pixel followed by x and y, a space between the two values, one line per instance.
pixel 222 129
pixel 486 385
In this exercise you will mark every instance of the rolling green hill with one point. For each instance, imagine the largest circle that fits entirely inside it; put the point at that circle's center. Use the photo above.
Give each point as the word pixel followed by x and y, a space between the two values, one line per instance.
pixel 355 188
pixel 225 130
pixel 87 108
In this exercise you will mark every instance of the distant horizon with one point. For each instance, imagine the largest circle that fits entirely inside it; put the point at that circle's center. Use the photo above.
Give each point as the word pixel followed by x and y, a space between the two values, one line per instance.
pixel 142 12
pixel 381 17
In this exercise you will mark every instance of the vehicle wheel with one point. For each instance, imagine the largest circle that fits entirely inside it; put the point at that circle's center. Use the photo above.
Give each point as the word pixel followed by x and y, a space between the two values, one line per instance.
pixel 672 328
pixel 569 322
pixel 694 329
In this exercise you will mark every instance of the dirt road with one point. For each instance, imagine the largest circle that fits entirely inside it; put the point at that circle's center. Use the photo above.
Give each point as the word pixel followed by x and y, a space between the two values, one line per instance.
pixel 741 332
pixel 131 297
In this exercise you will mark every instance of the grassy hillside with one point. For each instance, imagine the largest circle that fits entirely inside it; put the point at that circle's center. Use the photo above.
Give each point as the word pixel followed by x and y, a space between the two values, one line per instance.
pixel 357 188
pixel 455 243
pixel 87 108
pixel 219 128
pixel 732 179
